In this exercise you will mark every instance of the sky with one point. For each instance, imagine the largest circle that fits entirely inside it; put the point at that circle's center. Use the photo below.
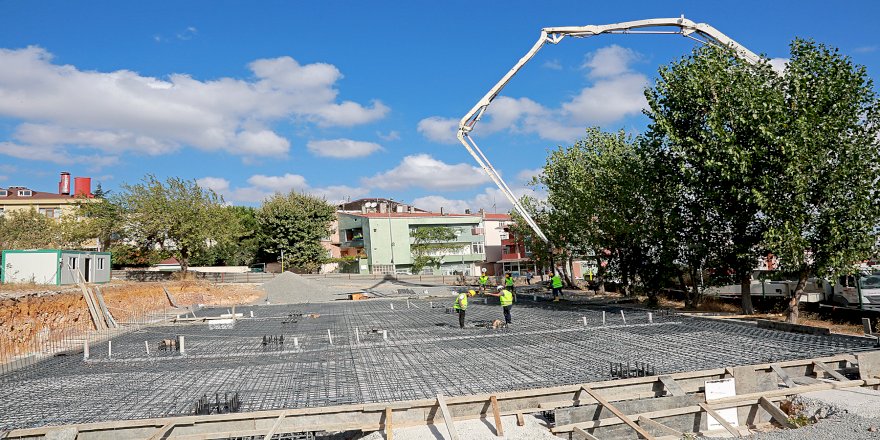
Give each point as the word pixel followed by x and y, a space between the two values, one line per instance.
pixel 346 99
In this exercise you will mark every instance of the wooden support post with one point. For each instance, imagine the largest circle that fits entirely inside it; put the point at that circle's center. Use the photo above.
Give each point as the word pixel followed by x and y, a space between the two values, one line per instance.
pixel 672 386
pixel 730 428
pixel 648 423
pixel 774 411
pixel 268 435
pixel 520 421
pixel 824 367
pixel 450 424
pixel 618 414
pixel 584 435
pixel 782 375
pixel 499 429
pixel 389 433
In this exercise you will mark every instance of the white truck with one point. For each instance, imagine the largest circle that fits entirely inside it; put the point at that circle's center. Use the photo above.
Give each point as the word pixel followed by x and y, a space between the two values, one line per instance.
pixel 843 292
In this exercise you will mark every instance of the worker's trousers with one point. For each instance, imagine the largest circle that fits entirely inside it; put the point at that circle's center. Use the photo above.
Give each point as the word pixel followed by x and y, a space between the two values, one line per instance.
pixel 557 291
pixel 460 318
pixel 507 318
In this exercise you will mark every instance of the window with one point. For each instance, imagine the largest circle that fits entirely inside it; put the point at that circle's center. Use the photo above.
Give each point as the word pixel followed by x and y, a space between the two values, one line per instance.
pixel 25 193
pixel 71 263
pixel 100 264
pixel 478 248
pixel 4 193
pixel 51 212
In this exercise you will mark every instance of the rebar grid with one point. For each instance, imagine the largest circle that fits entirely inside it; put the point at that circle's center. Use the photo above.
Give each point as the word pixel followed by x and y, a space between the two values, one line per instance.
pixel 425 353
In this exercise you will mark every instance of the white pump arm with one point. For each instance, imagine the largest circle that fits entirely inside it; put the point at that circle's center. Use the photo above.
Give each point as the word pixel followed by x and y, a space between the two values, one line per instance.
pixel 554 35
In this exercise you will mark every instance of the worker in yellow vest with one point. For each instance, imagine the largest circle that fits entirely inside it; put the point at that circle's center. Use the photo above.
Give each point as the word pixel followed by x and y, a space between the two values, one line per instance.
pixel 461 304
pixel 556 284
pixel 508 282
pixel 484 282
pixel 506 298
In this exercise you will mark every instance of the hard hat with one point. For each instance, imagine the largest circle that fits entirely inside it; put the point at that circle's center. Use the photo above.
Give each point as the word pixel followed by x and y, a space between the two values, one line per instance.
pixel 471 292
pixel 500 287
pixel 483 270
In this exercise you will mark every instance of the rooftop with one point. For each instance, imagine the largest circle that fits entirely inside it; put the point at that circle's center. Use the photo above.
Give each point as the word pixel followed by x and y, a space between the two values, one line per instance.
pixel 407 214
pixel 12 194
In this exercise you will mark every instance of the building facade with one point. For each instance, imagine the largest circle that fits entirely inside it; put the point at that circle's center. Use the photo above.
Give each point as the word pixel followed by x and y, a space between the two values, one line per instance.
pixel 52 205
pixel 380 242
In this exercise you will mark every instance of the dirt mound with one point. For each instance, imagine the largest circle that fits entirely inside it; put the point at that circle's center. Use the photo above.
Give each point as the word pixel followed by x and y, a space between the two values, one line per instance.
pixel 290 288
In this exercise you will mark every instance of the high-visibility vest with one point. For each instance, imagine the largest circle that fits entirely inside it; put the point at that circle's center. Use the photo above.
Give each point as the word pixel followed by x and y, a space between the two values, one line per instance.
pixel 461 302
pixel 508 281
pixel 506 298
pixel 484 280
pixel 557 282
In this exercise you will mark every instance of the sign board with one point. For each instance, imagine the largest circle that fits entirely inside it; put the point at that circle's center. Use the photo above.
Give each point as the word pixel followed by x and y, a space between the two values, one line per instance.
pixel 716 389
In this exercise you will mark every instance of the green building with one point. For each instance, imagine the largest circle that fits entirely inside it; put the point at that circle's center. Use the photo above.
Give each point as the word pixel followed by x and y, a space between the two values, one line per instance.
pixel 381 241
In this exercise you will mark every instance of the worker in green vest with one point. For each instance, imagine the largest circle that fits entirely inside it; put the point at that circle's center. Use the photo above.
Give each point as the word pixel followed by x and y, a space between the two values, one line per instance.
pixel 484 281
pixel 461 304
pixel 508 282
pixel 506 298
pixel 556 284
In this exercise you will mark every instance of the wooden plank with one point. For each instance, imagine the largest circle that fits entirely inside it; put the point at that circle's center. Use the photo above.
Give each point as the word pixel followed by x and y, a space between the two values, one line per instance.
pixel 584 434
pixel 822 366
pixel 389 433
pixel 520 421
pixel 783 375
pixel 268 435
pixel 730 428
pixel 450 424
pixel 162 431
pixel 499 429
pixel 775 412
pixel 619 414
pixel 673 387
pixel 642 420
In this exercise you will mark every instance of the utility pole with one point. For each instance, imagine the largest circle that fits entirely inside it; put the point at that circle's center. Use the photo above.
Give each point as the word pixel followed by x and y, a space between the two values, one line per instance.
pixel 391 240
pixel 282 260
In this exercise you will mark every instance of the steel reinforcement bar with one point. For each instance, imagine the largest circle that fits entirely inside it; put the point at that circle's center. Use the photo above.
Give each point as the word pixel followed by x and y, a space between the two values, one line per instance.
pixel 377 416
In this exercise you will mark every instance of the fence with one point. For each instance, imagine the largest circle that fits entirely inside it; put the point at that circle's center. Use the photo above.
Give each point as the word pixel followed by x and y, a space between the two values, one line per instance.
pixel 215 277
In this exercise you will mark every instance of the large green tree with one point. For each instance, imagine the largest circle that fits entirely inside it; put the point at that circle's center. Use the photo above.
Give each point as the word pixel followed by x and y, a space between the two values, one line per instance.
pixel 429 244
pixel 716 117
pixel 177 216
pixel 823 206
pixel 296 223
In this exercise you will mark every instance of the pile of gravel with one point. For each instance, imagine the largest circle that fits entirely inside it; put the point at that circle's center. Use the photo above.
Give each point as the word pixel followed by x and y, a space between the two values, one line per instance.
pixel 290 288
pixel 832 422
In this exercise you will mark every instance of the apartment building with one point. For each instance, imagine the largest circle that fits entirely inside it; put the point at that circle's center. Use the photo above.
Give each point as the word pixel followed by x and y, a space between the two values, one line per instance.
pixel 50 204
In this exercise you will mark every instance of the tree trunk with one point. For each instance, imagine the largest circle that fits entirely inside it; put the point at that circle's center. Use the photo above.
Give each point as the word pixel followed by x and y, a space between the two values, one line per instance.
pixel 693 300
pixel 795 299
pixel 571 269
pixel 681 284
pixel 600 277
pixel 745 280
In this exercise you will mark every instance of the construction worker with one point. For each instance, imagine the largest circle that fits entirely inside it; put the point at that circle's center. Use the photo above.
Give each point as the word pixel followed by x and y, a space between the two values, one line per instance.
pixel 484 281
pixel 506 298
pixel 508 282
pixel 461 304
pixel 556 284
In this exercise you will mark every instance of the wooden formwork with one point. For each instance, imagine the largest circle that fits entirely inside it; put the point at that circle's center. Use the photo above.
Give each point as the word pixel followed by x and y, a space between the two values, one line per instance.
pixel 643 407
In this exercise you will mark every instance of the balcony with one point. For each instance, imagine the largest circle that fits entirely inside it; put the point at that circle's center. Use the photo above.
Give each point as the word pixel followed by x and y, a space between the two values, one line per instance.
pixel 357 243
pixel 513 256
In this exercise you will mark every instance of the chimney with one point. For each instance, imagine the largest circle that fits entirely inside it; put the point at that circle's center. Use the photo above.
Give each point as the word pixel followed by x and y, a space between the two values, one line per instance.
pixel 64 184
pixel 467 211
pixel 82 186
pixel 383 207
pixel 441 210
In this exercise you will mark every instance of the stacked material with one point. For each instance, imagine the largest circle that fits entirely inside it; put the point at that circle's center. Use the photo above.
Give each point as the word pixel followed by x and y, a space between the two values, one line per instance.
pixel 290 288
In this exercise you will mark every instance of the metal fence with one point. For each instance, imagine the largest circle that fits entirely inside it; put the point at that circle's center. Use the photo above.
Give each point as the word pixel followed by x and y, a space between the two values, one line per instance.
pixel 215 277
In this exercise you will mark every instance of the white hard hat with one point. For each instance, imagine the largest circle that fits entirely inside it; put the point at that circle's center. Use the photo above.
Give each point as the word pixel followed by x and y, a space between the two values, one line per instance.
pixel 484 270
pixel 500 287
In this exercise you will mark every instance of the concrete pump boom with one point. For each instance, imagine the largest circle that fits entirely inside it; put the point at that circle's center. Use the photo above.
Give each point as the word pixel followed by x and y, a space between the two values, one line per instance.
pixel 554 35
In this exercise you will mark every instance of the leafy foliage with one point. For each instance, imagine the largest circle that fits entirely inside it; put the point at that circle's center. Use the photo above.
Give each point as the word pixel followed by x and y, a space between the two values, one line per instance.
pixel 428 242
pixel 295 223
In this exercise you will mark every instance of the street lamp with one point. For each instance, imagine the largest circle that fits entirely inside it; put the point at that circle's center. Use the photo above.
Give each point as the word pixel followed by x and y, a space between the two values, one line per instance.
pixel 391 239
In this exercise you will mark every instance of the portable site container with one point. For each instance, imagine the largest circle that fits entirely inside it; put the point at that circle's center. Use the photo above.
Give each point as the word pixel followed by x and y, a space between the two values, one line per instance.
pixel 54 266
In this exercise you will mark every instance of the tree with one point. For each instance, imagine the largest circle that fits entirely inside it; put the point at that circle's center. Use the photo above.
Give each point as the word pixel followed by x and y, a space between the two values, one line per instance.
pixel 295 224
pixel 824 204
pixel 178 216
pixel 28 229
pixel 717 116
pixel 429 245
pixel 243 243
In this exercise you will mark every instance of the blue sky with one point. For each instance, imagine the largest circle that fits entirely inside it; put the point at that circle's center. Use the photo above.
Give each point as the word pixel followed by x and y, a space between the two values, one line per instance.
pixel 344 99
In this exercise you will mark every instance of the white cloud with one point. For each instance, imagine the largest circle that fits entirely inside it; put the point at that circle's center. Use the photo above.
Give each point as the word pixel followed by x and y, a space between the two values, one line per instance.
pixel 438 129
pixel 261 186
pixel 866 49
pixel 778 64
pixel 525 176
pixel 610 61
pixel 553 64
pixel 343 148
pixel 123 111
pixel 616 92
pixel 94 162
pixel 491 200
pixel 392 135
pixel 423 171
